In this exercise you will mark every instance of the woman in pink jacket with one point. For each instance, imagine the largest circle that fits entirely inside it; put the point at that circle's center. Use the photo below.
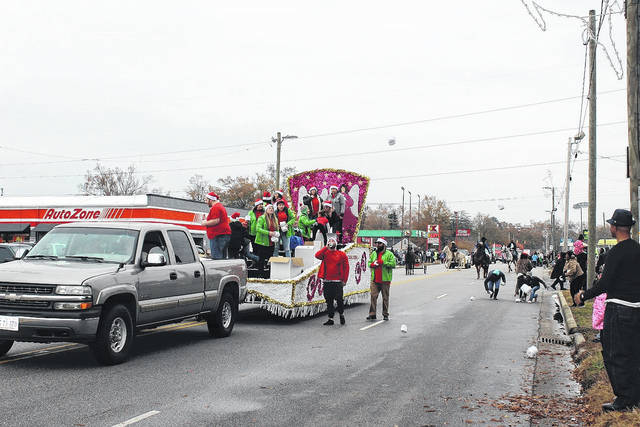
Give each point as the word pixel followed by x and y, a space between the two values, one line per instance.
pixel 597 317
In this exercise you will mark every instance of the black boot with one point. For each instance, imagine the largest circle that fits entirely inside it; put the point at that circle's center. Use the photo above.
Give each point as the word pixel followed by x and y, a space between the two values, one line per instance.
pixel 328 322
pixel 495 293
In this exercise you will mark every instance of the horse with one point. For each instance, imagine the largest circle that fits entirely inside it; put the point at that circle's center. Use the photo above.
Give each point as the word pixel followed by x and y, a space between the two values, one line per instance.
pixel 481 260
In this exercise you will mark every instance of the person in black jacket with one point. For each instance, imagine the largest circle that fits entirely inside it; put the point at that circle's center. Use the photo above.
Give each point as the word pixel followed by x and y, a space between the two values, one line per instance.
pixel 492 283
pixel 620 336
pixel 557 272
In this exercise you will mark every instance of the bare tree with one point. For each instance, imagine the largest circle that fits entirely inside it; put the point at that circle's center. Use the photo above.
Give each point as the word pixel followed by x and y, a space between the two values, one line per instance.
pixel 103 181
pixel 198 188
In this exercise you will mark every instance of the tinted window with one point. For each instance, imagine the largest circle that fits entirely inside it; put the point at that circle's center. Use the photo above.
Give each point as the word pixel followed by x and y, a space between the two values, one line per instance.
pixel 182 247
pixel 5 254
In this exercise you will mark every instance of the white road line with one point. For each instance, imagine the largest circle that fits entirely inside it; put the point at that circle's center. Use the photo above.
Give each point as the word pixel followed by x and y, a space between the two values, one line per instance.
pixel 138 418
pixel 372 325
pixel 441 296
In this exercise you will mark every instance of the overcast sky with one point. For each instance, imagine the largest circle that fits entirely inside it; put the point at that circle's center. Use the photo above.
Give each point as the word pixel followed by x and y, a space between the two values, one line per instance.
pixel 122 81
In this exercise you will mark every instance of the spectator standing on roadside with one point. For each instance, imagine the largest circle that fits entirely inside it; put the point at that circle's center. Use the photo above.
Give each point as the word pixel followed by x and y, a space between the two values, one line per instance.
pixel 382 263
pixel 574 273
pixel 558 272
pixel 217 224
pixel 338 205
pixel 334 272
pixel 620 335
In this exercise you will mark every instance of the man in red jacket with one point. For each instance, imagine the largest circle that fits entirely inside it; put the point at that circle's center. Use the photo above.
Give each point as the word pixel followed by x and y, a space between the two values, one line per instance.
pixel 334 272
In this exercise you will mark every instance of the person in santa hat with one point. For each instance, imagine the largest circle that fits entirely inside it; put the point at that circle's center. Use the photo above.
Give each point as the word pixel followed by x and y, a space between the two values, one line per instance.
pixel 218 230
pixel 314 201
pixel 239 244
pixel 338 204
pixel 280 196
pixel 267 233
pixel 266 197
pixel 286 219
pixel 322 221
pixel 254 214
pixel 334 272
pixel 382 263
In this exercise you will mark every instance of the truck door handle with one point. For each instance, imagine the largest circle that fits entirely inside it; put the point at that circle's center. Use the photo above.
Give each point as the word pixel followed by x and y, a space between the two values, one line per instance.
pixel 196 273
pixel 173 276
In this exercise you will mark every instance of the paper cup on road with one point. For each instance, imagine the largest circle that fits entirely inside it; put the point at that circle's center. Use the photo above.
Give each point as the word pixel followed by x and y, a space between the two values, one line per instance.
pixel 472 298
pixel 532 352
pixel 403 328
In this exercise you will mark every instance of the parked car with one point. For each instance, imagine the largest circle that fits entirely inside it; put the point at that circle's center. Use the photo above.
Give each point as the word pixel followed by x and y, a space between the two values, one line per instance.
pixel 99 283
pixel 13 251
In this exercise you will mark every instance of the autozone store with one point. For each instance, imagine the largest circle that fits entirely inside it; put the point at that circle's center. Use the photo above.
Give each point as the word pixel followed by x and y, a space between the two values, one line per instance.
pixel 30 218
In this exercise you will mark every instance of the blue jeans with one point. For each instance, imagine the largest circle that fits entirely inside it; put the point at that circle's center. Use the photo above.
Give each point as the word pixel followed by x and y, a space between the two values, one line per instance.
pixel 533 295
pixel 284 242
pixel 219 245
pixel 493 285
pixel 249 255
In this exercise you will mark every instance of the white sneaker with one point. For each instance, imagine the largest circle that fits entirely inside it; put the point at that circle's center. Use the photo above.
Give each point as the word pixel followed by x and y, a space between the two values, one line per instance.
pixel 529 301
pixel 517 299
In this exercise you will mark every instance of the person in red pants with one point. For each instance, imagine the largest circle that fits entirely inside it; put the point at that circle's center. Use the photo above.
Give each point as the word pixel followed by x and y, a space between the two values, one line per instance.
pixel 334 272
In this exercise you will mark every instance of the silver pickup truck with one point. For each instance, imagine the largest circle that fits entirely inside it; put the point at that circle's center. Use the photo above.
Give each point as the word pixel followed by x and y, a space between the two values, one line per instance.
pixel 100 283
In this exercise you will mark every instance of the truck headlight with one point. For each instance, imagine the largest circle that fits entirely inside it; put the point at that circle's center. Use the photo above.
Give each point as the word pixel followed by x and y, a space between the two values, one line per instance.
pixel 73 290
pixel 72 305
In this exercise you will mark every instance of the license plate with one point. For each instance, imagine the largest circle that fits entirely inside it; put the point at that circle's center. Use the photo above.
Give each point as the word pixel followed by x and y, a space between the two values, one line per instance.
pixel 8 323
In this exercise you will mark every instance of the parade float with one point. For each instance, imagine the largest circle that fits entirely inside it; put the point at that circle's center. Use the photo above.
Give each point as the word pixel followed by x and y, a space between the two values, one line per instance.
pixel 294 289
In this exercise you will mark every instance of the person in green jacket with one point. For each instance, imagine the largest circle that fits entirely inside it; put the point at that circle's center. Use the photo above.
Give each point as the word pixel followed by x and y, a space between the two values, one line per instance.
pixel 305 223
pixel 266 233
pixel 286 219
pixel 382 263
pixel 254 214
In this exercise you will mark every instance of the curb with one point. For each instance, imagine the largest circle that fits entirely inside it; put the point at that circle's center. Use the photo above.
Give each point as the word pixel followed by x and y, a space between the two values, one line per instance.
pixel 570 324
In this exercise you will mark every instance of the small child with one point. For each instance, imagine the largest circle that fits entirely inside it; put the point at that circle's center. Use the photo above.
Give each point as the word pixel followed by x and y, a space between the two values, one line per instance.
pixel 597 318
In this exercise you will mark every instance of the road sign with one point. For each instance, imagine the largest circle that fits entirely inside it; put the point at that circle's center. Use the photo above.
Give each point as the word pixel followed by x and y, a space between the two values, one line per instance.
pixel 463 232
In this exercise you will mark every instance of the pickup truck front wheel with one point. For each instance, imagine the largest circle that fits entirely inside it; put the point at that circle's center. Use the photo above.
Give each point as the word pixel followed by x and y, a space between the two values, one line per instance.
pixel 5 346
pixel 115 336
pixel 220 324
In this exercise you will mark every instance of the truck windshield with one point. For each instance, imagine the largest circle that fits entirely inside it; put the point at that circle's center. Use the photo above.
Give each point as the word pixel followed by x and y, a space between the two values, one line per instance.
pixel 87 245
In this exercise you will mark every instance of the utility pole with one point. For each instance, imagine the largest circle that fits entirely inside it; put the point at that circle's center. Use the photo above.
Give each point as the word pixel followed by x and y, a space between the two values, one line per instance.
pixel 402 234
pixel 633 97
pixel 278 148
pixel 567 184
pixel 278 141
pixel 410 222
pixel 553 217
pixel 591 220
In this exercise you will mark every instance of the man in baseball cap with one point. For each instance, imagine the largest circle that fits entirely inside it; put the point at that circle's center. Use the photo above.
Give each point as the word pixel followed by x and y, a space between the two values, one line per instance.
pixel 620 336
pixel 218 230
pixel 382 263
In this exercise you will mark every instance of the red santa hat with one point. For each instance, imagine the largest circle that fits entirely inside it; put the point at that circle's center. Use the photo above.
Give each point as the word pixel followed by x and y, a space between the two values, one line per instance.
pixel 235 215
pixel 313 188
pixel 332 187
pixel 381 240
pixel 213 196
pixel 258 202
pixel 280 192
pixel 266 196
pixel 327 203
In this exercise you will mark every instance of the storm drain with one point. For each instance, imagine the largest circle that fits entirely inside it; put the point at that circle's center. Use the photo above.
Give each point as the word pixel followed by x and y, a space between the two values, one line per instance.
pixel 557 340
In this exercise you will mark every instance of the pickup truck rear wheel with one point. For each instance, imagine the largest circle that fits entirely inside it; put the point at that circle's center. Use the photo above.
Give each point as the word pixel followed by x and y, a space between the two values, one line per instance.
pixel 115 336
pixel 5 346
pixel 221 323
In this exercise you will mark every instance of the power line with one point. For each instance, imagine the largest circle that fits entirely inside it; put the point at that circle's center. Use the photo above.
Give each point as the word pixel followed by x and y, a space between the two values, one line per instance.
pixel 452 116
pixel 330 156
pixel 459 172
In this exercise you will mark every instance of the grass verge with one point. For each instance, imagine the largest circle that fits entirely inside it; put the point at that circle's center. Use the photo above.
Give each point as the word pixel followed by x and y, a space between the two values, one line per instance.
pixel 590 373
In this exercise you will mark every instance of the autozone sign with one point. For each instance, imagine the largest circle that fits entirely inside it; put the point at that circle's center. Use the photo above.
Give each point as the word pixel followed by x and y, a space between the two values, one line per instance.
pixel 433 230
pixel 72 214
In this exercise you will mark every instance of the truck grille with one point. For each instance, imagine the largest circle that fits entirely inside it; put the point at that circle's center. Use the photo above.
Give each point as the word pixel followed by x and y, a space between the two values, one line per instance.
pixel 25 289
pixel 38 304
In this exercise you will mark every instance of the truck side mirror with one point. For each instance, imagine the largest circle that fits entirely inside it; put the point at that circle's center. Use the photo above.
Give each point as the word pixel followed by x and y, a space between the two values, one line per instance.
pixel 154 260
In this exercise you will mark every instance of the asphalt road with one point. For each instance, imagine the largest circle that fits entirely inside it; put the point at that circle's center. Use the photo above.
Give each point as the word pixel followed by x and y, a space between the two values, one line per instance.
pixel 297 372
